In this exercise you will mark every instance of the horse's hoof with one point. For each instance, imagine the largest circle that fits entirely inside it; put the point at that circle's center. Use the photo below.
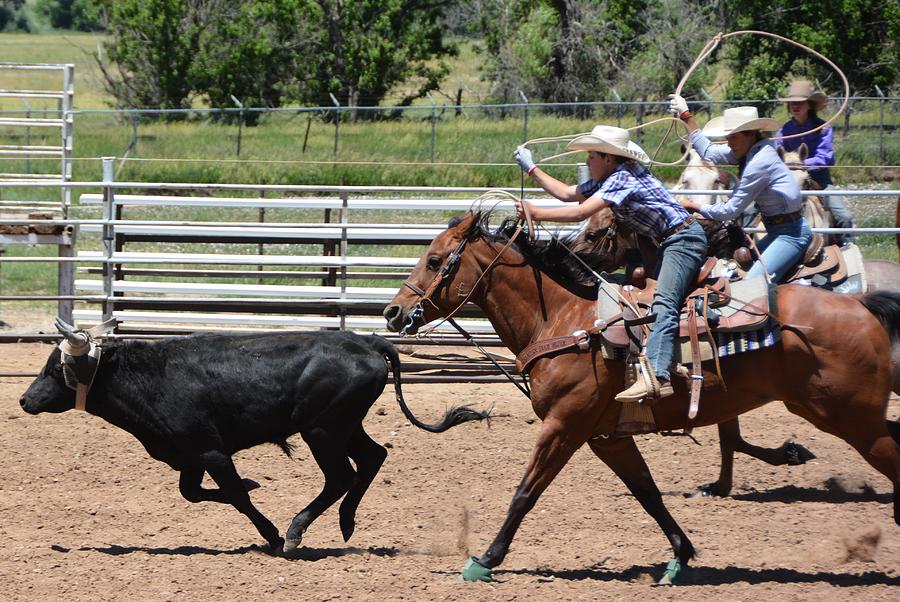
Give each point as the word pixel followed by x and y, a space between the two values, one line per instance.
pixel 706 490
pixel 796 454
pixel 475 571
pixel 673 571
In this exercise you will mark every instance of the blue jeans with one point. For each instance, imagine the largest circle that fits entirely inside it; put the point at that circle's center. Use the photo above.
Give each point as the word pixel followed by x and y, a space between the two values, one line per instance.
pixel 781 248
pixel 679 260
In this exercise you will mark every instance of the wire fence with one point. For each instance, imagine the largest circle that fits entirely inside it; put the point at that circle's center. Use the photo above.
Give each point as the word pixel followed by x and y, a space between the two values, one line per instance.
pixel 864 131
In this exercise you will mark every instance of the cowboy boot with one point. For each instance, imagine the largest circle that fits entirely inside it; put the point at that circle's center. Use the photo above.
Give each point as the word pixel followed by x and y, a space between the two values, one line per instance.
pixel 648 389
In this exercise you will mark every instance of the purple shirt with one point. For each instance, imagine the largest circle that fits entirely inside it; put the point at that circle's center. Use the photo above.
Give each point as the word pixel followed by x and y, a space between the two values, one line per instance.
pixel 820 145
pixel 638 199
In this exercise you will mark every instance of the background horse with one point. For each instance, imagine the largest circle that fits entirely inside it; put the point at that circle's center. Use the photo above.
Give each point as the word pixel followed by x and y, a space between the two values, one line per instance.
pixel 702 175
pixel 832 367
pixel 813 209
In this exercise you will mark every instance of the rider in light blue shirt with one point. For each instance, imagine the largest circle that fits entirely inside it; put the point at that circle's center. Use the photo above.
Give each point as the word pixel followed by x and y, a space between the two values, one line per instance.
pixel 764 180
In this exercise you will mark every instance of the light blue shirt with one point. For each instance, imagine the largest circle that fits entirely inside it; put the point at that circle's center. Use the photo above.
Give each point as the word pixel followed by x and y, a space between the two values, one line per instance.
pixel 765 180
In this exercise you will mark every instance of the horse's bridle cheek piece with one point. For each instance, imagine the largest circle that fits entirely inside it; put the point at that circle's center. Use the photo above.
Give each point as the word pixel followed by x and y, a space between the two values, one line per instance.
pixel 446 270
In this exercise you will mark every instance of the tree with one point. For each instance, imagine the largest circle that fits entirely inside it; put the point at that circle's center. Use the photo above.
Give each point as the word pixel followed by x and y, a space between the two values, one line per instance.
pixel 859 36
pixel 370 46
pixel 80 15
pixel 12 15
pixel 152 45
pixel 252 51
pixel 166 52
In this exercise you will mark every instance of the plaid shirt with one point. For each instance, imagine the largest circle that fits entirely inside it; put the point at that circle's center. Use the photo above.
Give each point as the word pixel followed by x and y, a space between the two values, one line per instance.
pixel 638 199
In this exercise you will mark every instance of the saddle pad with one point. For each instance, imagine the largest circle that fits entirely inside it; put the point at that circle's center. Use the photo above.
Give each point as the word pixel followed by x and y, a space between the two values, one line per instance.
pixel 856 274
pixel 740 332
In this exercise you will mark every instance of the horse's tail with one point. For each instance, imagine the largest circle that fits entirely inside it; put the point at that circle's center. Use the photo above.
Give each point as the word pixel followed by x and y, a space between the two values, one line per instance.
pixel 452 417
pixel 885 305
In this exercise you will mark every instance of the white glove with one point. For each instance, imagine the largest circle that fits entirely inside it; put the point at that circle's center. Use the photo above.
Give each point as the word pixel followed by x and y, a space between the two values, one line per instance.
pixel 524 159
pixel 677 105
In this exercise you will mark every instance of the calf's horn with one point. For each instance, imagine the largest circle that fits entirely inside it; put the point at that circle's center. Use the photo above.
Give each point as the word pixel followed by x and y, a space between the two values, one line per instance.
pixel 75 339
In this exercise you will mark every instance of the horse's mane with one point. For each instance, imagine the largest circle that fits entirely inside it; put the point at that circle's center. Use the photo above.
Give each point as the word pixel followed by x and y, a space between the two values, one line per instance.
pixel 557 257
pixel 553 257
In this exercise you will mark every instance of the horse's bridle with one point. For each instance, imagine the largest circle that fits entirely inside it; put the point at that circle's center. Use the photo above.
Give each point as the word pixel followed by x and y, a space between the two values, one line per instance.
pixel 447 269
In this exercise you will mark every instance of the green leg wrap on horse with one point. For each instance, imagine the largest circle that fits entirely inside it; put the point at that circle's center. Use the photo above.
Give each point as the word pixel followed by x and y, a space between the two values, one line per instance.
pixel 673 571
pixel 475 571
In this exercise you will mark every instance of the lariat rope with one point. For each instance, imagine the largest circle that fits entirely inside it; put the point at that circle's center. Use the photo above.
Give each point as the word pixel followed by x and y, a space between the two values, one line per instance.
pixel 708 49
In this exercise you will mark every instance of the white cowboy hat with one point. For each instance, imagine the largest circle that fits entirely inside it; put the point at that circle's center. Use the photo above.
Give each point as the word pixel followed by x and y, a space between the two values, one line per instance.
pixel 611 140
pixel 739 119
pixel 803 89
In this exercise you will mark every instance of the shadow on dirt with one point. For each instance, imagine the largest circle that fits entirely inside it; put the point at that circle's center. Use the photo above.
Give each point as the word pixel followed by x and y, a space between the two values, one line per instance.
pixel 833 493
pixel 711 576
pixel 307 554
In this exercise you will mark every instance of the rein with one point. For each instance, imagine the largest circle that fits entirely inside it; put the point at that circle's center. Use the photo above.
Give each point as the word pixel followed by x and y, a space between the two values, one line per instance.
pixel 447 269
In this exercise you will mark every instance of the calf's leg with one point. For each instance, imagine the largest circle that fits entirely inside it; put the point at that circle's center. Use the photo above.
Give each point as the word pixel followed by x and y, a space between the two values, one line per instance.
pixel 189 485
pixel 233 489
pixel 368 457
pixel 329 448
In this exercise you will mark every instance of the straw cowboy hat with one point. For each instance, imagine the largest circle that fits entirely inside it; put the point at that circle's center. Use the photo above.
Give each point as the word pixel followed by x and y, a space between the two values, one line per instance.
pixel 803 89
pixel 739 119
pixel 611 140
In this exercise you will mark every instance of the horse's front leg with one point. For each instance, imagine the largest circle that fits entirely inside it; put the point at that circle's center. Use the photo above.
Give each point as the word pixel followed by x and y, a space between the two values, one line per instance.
pixel 625 459
pixel 555 446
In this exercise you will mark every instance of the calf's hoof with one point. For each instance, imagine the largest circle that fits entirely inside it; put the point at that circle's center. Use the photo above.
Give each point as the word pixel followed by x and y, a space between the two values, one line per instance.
pixel 348 526
pixel 475 571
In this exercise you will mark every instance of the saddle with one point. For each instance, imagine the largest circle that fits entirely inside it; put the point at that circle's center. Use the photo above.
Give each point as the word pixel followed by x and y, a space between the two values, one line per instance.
pixel 831 267
pixel 824 266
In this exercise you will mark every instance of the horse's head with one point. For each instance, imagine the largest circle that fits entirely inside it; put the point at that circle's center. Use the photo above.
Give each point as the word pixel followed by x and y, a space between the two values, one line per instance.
pixel 601 238
pixel 441 280
pixel 701 175
pixel 795 162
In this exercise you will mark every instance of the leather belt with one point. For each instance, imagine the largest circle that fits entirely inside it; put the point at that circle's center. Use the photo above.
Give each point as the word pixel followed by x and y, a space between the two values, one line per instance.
pixel 784 218
pixel 674 229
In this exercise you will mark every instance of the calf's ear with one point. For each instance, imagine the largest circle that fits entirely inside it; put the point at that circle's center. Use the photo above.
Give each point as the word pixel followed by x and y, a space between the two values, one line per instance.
pixel 803 151
pixel 780 150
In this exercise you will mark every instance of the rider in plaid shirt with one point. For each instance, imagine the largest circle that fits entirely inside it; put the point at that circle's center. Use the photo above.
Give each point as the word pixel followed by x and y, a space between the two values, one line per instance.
pixel 641 202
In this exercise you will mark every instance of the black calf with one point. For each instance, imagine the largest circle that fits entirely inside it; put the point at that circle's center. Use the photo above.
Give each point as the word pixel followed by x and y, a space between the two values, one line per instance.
pixel 194 401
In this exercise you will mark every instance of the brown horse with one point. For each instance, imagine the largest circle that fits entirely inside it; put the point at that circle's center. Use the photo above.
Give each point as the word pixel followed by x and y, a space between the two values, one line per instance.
pixel 595 239
pixel 832 367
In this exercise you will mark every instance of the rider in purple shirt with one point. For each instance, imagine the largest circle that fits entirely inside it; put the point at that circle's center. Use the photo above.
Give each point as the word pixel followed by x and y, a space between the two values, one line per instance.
pixel 803 103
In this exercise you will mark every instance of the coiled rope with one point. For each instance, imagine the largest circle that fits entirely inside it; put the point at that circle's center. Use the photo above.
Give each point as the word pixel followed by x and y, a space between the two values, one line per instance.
pixel 708 49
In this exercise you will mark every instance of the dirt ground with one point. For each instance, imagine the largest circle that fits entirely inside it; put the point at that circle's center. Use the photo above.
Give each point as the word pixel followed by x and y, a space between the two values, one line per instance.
pixel 85 514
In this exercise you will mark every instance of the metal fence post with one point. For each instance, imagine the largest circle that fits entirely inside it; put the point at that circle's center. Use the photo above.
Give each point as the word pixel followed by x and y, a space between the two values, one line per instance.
pixel 109 234
pixel 847 119
pixel 524 116
pixel 640 121
pixel 880 124
pixel 337 122
pixel 709 101
pixel 433 117
pixel 240 105
pixel 618 107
